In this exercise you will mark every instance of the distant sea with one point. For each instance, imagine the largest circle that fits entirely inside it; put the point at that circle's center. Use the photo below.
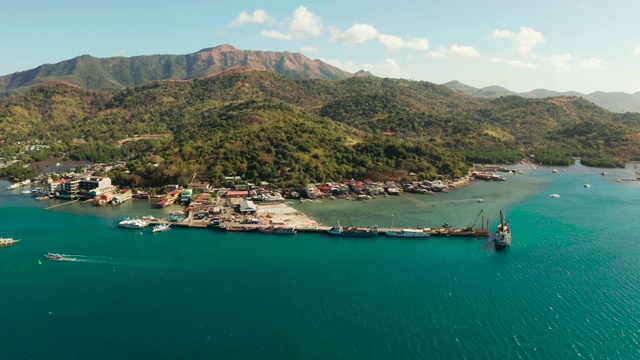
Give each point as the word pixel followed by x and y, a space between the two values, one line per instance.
pixel 567 288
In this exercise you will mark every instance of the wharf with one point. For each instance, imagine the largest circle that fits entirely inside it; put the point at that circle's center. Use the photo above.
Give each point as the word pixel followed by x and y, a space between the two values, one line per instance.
pixel 321 229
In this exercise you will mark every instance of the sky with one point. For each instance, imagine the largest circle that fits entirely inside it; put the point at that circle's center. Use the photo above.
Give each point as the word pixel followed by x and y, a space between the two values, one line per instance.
pixel 568 45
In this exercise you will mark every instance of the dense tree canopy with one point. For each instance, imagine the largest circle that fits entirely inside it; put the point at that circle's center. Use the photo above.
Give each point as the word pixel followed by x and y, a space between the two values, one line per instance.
pixel 264 126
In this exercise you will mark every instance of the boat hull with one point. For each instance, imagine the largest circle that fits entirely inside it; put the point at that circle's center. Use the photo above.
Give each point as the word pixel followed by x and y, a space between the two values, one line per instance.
pixel 353 234
pixel 277 231
pixel 410 235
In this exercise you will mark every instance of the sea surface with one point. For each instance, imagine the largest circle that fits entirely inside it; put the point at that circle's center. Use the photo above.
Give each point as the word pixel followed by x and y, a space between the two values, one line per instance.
pixel 567 288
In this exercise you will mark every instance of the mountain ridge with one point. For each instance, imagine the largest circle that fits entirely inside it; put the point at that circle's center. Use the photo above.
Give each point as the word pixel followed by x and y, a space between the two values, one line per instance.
pixel 117 73
pixel 620 102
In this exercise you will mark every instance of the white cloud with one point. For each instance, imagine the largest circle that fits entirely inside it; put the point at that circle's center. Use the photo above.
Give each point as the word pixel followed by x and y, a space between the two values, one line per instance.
pixel 514 63
pixel 274 34
pixel 120 52
pixel 591 63
pixel 437 54
pixel 358 33
pixel 305 22
pixel 464 51
pixel 454 50
pixel 560 61
pixel 387 68
pixel 258 17
pixel 310 48
pixel 393 42
pixel 637 50
pixel 526 39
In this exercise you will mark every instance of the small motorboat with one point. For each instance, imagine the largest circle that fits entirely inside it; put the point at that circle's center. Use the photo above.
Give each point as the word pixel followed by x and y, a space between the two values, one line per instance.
pixel 161 227
pixel 52 256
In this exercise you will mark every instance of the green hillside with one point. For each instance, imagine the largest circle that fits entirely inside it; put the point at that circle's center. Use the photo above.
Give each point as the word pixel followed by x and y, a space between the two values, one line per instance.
pixel 269 127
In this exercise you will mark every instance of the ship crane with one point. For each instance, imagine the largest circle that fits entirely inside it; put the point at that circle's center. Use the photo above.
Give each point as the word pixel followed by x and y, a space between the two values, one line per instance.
pixel 470 227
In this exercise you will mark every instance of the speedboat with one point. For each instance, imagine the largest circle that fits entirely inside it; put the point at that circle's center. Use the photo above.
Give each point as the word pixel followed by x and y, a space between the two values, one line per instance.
pixel 52 256
pixel 555 196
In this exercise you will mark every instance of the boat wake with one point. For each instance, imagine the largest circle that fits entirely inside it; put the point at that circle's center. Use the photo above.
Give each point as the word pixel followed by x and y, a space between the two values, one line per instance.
pixel 95 259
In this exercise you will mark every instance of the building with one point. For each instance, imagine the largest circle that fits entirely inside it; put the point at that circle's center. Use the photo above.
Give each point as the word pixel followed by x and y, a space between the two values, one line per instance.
pixel 122 196
pixel 56 185
pixel 70 186
pixel 185 195
pixel 237 194
pixel 94 183
pixel 247 206
pixel 200 186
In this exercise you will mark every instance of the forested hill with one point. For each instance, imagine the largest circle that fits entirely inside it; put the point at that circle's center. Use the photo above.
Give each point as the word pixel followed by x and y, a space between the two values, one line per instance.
pixel 118 73
pixel 271 127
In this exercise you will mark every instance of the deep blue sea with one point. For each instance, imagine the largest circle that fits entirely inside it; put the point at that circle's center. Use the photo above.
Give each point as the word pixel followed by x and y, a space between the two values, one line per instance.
pixel 567 288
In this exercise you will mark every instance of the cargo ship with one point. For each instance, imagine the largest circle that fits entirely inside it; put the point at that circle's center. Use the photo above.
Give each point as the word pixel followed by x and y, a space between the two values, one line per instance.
pixel 502 237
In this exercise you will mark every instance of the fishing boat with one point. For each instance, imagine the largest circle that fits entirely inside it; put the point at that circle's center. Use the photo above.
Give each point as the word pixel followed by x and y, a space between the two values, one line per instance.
pixel 502 237
pixel 278 230
pixel 236 228
pixel 7 242
pixel 353 231
pixel 161 227
pixel 409 233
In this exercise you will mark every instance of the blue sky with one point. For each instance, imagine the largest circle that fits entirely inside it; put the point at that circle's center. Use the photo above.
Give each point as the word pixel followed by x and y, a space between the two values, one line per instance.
pixel 566 45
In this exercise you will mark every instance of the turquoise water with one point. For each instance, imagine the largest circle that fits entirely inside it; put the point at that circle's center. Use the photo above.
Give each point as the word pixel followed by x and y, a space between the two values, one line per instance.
pixel 567 287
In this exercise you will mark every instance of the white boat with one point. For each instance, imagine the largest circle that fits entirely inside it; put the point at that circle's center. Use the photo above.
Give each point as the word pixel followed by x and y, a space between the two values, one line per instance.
pixel 7 241
pixel 587 185
pixel 555 196
pixel 410 233
pixel 26 192
pixel 161 227
pixel 133 224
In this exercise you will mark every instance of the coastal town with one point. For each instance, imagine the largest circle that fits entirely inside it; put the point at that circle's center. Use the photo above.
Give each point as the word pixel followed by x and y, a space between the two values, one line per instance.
pixel 245 206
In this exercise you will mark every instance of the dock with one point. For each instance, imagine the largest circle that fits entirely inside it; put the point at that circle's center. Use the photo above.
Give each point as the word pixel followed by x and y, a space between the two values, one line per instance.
pixel 322 229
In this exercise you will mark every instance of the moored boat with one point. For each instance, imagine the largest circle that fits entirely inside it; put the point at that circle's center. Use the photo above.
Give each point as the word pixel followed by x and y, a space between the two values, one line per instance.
pixel 278 230
pixel 133 223
pixel 502 237
pixel 161 227
pixel 339 230
pixel 409 233
pixel 236 228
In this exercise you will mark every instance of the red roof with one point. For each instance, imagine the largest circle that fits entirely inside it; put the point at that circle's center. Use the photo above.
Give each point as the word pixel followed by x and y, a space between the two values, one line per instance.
pixel 237 192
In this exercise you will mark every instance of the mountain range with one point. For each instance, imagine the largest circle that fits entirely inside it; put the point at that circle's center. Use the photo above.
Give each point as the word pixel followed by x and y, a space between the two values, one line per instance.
pixel 613 101
pixel 118 73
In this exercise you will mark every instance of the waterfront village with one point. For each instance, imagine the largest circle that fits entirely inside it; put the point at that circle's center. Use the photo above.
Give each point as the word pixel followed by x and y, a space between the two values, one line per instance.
pixel 243 206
